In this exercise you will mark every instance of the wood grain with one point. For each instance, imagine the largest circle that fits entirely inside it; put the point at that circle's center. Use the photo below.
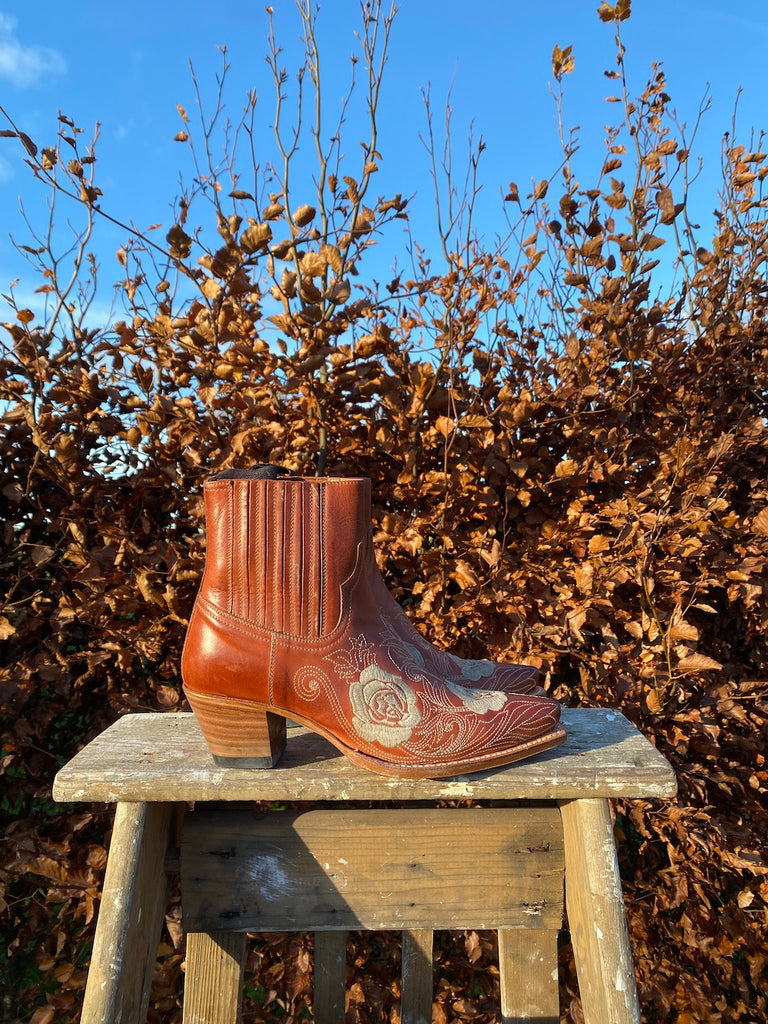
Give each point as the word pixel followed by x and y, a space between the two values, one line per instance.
pixel 417 979
pixel 596 915
pixel 133 903
pixel 213 988
pixel 373 869
pixel 330 977
pixel 164 757
pixel 528 977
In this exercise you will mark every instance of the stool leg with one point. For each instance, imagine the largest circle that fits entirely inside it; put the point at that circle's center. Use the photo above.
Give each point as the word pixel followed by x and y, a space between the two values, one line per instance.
pixel 416 1001
pixel 130 917
pixel 213 983
pixel 596 916
pixel 330 977
pixel 528 976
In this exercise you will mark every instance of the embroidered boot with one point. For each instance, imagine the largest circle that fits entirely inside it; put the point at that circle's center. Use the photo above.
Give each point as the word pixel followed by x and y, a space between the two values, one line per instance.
pixel 465 672
pixel 288 624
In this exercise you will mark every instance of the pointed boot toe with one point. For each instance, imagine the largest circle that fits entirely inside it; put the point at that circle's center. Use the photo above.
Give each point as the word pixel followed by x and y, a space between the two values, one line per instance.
pixel 290 622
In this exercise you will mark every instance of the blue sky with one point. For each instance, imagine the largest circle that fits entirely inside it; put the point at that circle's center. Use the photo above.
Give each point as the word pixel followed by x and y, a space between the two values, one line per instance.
pixel 128 66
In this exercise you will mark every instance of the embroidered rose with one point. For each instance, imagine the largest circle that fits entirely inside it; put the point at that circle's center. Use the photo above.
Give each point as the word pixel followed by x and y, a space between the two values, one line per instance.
pixel 384 707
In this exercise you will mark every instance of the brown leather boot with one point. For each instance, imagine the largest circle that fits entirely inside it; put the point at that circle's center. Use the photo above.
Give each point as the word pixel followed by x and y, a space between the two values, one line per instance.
pixel 289 623
pixel 482 674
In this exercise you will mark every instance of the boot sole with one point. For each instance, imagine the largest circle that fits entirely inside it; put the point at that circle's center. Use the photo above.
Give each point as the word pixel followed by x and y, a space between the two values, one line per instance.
pixel 243 734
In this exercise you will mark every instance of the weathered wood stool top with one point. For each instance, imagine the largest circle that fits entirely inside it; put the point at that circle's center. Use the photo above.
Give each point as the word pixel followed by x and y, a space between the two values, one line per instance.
pixel 339 868
pixel 163 757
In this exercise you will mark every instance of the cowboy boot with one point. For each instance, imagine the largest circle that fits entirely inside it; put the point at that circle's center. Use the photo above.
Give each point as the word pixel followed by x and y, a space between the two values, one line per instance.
pixel 467 673
pixel 288 624
pixel 482 674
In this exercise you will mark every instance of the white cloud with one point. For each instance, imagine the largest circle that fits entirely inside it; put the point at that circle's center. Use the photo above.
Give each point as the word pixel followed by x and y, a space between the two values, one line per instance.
pixel 25 65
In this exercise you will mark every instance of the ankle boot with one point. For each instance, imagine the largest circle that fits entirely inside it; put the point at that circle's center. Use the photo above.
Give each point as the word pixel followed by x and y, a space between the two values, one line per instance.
pixel 481 674
pixel 289 623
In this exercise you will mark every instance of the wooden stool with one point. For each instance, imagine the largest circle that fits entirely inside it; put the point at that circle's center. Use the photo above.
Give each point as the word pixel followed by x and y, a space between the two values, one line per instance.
pixel 414 868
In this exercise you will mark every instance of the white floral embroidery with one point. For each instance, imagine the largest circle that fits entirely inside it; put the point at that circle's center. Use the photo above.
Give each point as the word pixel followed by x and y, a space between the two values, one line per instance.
pixel 476 669
pixel 479 701
pixel 384 707
pixel 414 653
pixel 355 656
pixel 450 664
pixel 308 682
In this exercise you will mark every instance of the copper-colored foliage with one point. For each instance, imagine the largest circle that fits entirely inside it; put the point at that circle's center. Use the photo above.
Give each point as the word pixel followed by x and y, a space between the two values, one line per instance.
pixel 569 467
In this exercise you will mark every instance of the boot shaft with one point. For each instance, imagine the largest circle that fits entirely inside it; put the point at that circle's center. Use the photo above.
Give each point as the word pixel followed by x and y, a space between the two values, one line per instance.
pixel 278 551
